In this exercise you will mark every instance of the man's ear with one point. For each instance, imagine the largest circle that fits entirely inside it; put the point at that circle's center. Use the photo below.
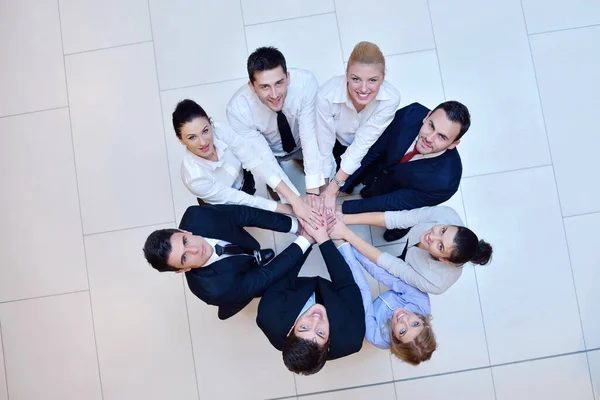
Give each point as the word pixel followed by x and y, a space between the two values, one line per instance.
pixel 427 116
pixel 182 270
pixel 453 145
pixel 184 231
pixel 252 87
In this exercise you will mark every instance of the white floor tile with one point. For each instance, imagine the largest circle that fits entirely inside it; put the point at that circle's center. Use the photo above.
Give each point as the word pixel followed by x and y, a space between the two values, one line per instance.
pixel 144 344
pixel 557 378
pixel 529 281
pixel 49 348
pixel 33 75
pixel 3 388
pixel 585 259
pixel 460 335
pixel 254 368
pixel 259 11
pixel 311 43
pixel 486 64
pixel 198 42
pixel 379 392
pixel 213 98
pixel 370 365
pixel 40 208
pixel 473 385
pixel 395 26
pixel 544 15
pixel 594 362
pixel 118 137
pixel 89 25
pixel 417 77
pixel 565 63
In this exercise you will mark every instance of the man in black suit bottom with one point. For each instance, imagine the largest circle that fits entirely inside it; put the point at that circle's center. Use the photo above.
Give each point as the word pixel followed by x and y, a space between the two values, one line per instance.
pixel 223 263
pixel 312 319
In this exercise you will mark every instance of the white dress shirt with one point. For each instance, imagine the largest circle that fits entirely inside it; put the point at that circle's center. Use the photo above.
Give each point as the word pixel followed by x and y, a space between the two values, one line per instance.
pixel 337 118
pixel 252 119
pixel 419 269
pixel 219 182
pixel 301 241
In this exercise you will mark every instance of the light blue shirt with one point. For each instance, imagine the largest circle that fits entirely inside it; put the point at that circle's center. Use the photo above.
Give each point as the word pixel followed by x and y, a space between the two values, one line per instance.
pixel 379 311
pixel 309 303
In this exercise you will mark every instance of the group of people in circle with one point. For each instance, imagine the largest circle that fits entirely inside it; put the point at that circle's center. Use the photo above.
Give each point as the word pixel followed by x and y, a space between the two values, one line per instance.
pixel 347 134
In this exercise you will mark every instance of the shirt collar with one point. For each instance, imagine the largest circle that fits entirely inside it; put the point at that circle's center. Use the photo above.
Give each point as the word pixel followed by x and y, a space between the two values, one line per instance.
pixel 211 165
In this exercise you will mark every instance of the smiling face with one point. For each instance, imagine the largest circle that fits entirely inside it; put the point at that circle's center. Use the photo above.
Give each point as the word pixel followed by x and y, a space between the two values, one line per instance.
pixel 438 133
pixel 197 136
pixel 313 325
pixel 439 241
pixel 188 251
pixel 406 325
pixel 271 87
pixel 364 81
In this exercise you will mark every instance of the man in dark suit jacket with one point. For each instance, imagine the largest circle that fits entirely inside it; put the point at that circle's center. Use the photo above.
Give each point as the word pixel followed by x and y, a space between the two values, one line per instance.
pixel 413 164
pixel 224 280
pixel 312 320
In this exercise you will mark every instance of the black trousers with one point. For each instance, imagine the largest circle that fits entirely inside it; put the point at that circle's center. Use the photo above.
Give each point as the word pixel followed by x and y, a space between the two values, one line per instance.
pixel 249 186
pixel 338 150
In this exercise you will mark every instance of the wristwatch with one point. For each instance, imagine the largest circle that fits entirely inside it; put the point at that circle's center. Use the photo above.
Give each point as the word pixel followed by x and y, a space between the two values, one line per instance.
pixel 339 183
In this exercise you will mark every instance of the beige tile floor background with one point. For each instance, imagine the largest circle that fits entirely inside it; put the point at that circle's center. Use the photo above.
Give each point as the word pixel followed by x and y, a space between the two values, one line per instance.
pixel 89 166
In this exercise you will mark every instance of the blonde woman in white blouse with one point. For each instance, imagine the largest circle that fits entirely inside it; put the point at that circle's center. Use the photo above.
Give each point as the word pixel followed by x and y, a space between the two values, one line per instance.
pixel 352 112
pixel 214 162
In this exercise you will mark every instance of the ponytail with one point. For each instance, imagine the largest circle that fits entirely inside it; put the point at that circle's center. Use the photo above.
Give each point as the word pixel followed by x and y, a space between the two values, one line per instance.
pixel 468 248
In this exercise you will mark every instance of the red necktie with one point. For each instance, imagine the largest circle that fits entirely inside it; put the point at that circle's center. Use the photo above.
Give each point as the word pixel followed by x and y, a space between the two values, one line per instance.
pixel 408 156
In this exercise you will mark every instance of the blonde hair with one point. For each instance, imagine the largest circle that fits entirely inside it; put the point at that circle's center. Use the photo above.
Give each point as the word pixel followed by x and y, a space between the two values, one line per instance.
pixel 420 349
pixel 366 53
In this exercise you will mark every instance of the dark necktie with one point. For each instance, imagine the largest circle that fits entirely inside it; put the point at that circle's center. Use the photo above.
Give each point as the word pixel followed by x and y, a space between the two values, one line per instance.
pixel 318 297
pixel 287 139
pixel 231 249
pixel 407 157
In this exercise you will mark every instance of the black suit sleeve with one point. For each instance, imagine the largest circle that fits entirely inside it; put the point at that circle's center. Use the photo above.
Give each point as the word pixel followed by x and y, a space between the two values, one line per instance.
pixel 401 199
pixel 244 216
pixel 256 280
pixel 376 150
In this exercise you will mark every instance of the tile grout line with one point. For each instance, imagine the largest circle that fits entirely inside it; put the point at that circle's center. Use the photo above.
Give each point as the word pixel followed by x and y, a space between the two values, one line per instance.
pixel 487 344
pixel 105 48
pixel 203 84
pixel 4 362
pixel 561 30
pixel 244 29
pixel 163 133
pixel 581 215
pixel 288 19
pixel 441 374
pixel 558 196
pixel 437 56
pixel 44 296
pixel 34 111
pixel 87 272
pixel 337 24
pixel 507 171
pixel 411 52
pixel 126 229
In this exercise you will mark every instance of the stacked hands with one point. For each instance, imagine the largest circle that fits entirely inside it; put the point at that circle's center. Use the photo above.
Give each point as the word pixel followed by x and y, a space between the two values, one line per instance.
pixel 323 223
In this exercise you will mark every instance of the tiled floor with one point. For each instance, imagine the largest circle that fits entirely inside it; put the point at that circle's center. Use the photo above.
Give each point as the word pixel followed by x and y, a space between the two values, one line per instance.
pixel 89 165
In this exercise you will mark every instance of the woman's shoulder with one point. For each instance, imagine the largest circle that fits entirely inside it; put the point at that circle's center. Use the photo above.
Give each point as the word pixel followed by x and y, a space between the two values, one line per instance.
pixel 332 86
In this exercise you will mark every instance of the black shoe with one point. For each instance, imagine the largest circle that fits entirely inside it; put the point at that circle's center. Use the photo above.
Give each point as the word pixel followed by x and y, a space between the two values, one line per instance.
pixel 264 256
pixel 273 194
pixel 394 234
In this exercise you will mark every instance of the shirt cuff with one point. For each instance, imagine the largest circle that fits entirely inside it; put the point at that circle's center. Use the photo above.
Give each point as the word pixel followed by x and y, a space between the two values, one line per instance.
pixel 303 243
pixel 273 181
pixel 294 227
pixel 314 181
pixel 349 166
pixel 343 244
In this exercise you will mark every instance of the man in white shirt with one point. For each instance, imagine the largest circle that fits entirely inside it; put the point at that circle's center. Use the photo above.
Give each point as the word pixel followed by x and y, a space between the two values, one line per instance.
pixel 277 109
